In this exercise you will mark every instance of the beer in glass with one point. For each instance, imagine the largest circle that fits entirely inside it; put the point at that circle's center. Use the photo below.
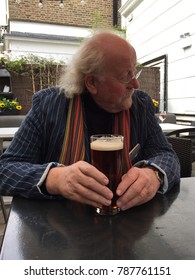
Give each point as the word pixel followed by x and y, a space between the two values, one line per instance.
pixel 106 155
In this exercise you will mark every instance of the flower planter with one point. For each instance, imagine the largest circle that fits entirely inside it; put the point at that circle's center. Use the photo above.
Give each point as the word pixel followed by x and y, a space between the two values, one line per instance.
pixel 7 112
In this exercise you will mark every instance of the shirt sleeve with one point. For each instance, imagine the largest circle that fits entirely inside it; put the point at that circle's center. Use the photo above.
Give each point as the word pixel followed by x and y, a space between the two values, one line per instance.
pixel 22 167
pixel 155 148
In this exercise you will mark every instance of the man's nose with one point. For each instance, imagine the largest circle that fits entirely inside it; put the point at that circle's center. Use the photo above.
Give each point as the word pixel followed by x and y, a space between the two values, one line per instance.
pixel 134 83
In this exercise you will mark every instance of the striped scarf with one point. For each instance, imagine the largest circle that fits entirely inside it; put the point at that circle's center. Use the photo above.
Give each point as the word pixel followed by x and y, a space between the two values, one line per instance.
pixel 73 148
pixel 122 127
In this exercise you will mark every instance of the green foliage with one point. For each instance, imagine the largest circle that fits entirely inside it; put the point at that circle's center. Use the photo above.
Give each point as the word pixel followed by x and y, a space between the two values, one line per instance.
pixel 43 72
pixel 97 20
pixel 16 66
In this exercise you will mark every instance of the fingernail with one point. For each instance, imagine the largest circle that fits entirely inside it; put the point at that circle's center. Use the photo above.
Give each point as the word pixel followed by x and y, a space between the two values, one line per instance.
pixel 106 181
pixel 119 204
pixel 107 202
pixel 118 192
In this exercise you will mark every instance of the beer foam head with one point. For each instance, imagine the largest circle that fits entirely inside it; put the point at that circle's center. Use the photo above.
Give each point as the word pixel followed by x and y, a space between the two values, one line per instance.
pixel 107 145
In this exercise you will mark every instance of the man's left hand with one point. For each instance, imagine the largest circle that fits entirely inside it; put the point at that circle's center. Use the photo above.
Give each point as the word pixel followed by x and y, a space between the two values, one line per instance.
pixel 138 186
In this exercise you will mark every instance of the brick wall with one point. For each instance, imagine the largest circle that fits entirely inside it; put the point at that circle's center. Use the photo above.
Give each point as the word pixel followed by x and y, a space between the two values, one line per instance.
pixel 150 81
pixel 73 13
pixel 22 90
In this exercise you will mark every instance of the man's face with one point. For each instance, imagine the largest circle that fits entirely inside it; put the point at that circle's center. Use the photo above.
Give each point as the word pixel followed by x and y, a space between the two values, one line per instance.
pixel 115 89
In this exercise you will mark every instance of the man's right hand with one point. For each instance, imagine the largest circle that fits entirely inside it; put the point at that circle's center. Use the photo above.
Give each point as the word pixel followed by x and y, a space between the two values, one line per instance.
pixel 80 182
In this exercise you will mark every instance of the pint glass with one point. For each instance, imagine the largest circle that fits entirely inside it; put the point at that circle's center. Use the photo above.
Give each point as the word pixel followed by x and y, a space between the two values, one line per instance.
pixel 106 155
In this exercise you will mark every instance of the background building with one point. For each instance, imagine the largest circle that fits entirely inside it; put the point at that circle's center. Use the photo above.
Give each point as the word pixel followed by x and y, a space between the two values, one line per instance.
pixel 53 28
pixel 47 31
pixel 163 33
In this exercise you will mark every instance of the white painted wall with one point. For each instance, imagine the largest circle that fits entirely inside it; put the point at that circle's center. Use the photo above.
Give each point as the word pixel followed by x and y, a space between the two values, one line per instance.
pixel 54 50
pixel 155 30
pixel 57 50
pixel 45 28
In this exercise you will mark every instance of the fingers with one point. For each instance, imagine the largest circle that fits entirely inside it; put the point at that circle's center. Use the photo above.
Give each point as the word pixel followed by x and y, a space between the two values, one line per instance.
pixel 127 180
pixel 90 171
pixel 84 183
pixel 137 187
pixel 135 195
pixel 86 195
pixel 93 179
pixel 92 182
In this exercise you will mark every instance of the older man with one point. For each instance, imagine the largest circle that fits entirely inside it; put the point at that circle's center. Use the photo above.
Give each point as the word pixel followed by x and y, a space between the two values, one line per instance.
pixel 49 156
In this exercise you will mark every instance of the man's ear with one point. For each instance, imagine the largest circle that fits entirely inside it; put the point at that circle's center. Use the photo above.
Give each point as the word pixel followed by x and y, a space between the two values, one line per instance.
pixel 90 83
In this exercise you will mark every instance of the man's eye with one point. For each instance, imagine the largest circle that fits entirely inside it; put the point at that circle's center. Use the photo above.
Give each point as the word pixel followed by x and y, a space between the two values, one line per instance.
pixel 126 78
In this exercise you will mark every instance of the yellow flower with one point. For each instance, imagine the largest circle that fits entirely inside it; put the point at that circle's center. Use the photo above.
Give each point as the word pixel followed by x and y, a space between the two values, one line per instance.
pixel 19 107
pixel 6 104
pixel 155 102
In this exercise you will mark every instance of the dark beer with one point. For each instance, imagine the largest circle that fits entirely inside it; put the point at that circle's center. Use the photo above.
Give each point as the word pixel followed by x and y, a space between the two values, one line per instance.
pixel 106 155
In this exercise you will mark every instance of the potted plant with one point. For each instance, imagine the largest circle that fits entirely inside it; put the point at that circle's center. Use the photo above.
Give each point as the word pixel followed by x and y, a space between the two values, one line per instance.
pixel 9 107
